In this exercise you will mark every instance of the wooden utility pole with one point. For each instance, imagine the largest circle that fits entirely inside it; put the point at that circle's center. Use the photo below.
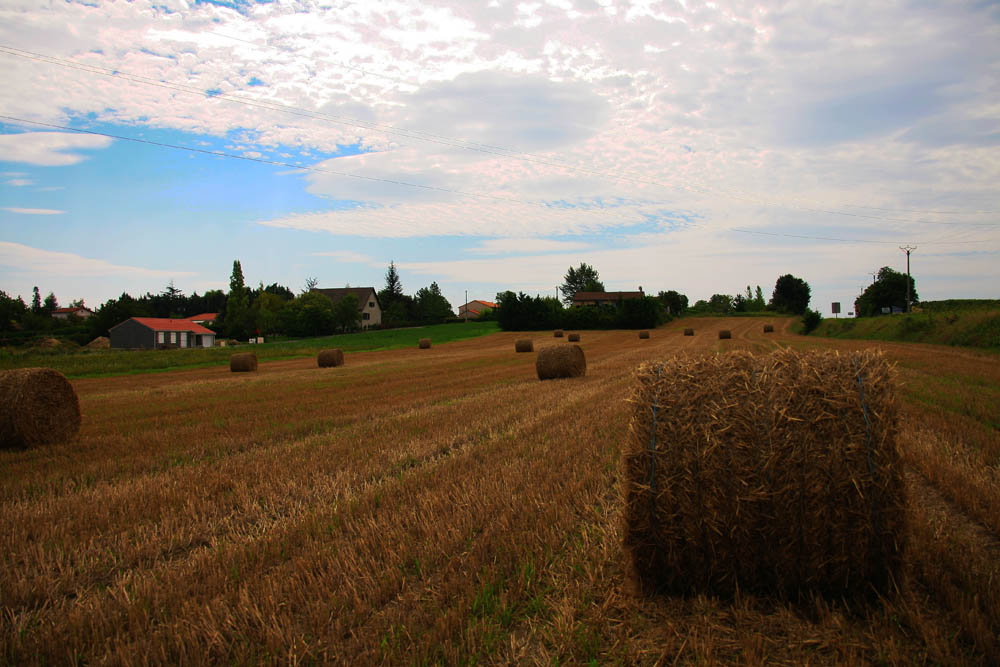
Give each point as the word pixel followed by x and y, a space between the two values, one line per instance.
pixel 907 249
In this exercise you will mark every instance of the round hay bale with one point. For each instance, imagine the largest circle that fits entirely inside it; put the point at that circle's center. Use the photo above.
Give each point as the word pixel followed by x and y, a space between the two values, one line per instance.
pixel 557 333
pixel 48 342
pixel 573 338
pixel 565 361
pixel 524 345
pixel 644 334
pixel 330 358
pixel 775 474
pixel 38 406
pixel 725 334
pixel 100 343
pixel 424 344
pixel 689 332
pixel 243 362
pixel 768 328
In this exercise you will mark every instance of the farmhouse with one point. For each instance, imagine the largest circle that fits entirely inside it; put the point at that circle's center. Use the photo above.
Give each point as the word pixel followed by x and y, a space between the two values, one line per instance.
pixel 74 311
pixel 368 303
pixel 602 298
pixel 204 318
pixel 475 308
pixel 160 332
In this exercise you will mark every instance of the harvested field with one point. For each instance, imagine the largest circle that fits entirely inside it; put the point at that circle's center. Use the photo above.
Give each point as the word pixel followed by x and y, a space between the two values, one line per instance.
pixel 359 517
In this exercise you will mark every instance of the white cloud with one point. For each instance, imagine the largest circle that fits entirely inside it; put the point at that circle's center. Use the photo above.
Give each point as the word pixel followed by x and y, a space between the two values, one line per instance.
pixel 48 149
pixel 18 258
pixel 20 182
pixel 526 245
pixel 33 211
pixel 348 256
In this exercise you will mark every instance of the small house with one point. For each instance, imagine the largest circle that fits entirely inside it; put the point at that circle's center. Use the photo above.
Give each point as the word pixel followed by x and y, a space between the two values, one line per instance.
pixel 204 318
pixel 474 309
pixel 368 304
pixel 160 332
pixel 72 311
pixel 604 298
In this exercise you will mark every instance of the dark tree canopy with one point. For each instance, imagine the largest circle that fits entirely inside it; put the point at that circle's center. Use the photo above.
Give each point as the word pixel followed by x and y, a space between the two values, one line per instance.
pixel 888 291
pixel 791 295
pixel 393 290
pixel 675 302
pixel 431 306
pixel 582 279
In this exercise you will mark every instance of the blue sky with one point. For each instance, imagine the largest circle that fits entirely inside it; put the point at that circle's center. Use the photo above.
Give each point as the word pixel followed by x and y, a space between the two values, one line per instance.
pixel 490 146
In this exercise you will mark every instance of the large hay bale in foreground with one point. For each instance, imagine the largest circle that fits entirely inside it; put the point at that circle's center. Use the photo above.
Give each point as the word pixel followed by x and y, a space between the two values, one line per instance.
pixel 573 338
pixel 689 332
pixel 557 333
pixel 524 345
pixel 768 328
pixel 643 334
pixel 565 361
pixel 725 334
pixel 424 343
pixel 38 406
pixel 775 474
pixel 330 358
pixel 243 362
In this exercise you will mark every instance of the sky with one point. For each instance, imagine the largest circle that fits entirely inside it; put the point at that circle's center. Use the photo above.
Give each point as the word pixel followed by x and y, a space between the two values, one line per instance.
pixel 487 146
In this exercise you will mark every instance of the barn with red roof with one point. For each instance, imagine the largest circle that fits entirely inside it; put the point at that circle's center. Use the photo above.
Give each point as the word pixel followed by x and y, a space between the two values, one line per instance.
pixel 160 333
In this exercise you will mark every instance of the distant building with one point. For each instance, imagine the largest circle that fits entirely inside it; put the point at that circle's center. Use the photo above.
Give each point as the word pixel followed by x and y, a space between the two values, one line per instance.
pixel 368 303
pixel 474 309
pixel 159 332
pixel 603 298
pixel 204 318
pixel 73 311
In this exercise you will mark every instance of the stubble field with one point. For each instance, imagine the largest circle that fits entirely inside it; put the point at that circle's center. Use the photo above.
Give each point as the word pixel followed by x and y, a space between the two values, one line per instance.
pixel 443 505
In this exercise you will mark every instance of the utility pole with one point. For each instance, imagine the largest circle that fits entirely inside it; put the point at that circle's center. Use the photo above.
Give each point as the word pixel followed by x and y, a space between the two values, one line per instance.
pixel 466 305
pixel 907 249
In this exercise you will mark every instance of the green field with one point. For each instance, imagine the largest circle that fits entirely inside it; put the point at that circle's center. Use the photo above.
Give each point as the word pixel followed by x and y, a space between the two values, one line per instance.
pixel 79 363
pixel 964 322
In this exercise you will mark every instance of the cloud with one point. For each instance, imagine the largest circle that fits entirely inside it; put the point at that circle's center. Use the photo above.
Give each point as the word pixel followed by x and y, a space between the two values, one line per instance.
pixel 48 149
pixel 525 245
pixel 20 182
pixel 348 256
pixel 33 211
pixel 20 258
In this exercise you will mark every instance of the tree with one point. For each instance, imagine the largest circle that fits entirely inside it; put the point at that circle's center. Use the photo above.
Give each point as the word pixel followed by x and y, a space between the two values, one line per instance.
pixel 311 283
pixel 720 303
pixel 393 290
pixel 888 291
pixel 11 311
pixel 582 279
pixel 791 295
pixel 50 303
pixel 758 300
pixel 347 313
pixel 675 302
pixel 36 301
pixel 432 307
pixel 236 321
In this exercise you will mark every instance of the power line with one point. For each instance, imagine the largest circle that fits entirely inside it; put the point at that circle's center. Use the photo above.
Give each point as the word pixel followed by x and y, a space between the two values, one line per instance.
pixel 454 143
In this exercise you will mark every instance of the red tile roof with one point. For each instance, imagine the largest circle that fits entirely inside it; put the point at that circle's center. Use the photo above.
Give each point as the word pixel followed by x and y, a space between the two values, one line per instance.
pixel 488 304
pixel 170 324
pixel 207 317
pixel 70 310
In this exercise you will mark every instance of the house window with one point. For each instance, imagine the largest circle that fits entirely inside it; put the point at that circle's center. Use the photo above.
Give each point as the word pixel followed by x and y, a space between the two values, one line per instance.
pixel 161 337
pixel 371 304
pixel 173 337
pixel 365 316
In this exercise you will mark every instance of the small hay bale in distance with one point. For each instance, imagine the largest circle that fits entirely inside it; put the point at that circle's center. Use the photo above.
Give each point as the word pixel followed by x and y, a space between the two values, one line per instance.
pixel 243 362
pixel 424 344
pixel 768 328
pixel 330 358
pixel 573 338
pixel 524 345
pixel 689 332
pixel 775 474
pixel 643 334
pixel 38 406
pixel 725 334
pixel 565 361
pixel 557 333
